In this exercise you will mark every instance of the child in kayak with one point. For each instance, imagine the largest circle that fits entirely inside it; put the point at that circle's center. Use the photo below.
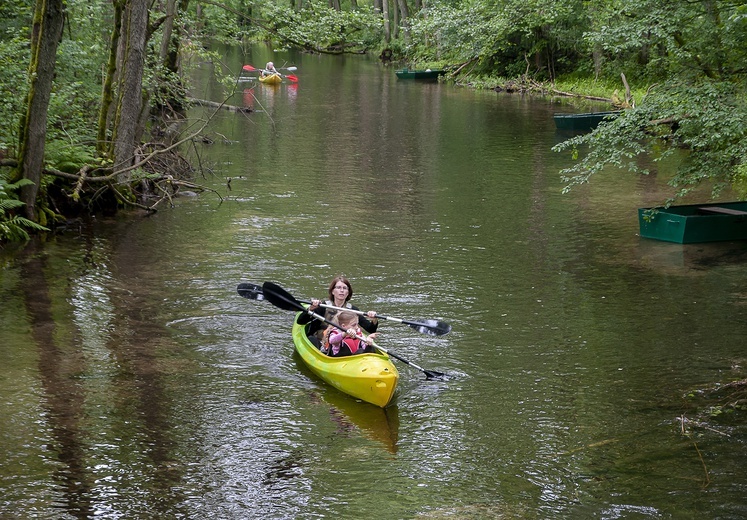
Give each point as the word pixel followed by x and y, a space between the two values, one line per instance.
pixel 348 342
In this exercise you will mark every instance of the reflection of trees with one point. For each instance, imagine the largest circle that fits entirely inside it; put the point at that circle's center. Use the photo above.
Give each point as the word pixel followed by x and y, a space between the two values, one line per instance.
pixel 59 363
pixel 104 392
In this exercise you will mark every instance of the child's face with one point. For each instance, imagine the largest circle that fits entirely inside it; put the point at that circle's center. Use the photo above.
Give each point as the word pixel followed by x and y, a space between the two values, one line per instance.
pixel 349 324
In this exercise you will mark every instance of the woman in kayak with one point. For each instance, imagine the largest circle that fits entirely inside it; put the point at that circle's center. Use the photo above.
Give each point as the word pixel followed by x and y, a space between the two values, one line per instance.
pixel 340 291
pixel 350 340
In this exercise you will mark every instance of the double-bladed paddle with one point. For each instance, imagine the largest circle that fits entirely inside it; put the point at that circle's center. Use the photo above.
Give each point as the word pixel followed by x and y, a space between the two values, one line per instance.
pixel 282 299
pixel 291 77
pixel 426 326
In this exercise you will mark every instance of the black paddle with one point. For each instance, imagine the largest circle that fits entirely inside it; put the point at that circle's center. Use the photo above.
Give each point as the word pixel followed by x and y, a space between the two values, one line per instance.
pixel 282 299
pixel 431 327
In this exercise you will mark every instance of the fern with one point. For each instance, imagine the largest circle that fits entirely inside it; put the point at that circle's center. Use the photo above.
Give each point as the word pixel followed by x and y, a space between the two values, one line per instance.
pixel 14 228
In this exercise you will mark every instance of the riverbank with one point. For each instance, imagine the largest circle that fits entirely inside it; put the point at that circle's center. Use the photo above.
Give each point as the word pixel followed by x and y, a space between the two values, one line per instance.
pixel 618 94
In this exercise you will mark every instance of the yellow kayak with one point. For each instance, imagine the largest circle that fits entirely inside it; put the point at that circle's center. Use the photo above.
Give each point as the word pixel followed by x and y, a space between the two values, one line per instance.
pixel 271 79
pixel 369 377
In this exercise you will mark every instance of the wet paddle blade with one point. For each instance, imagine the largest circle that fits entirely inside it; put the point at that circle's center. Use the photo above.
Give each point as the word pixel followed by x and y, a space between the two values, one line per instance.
pixel 432 374
pixel 249 68
pixel 280 298
pixel 252 291
pixel 431 327
pixel 293 78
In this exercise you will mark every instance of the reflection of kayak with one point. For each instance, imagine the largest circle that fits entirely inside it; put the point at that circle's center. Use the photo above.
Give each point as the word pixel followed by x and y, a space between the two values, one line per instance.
pixel 369 377
pixel 271 79
pixel 378 424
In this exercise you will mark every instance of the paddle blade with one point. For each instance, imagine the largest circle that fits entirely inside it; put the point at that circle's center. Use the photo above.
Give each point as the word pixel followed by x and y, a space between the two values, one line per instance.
pixel 251 291
pixel 249 68
pixel 432 374
pixel 289 68
pixel 431 327
pixel 280 298
pixel 293 78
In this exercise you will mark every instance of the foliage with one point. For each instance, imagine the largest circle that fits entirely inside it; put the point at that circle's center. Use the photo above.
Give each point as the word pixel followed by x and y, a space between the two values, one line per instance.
pixel 316 26
pixel 693 50
pixel 706 119
pixel 226 22
pixel 14 227
pixel 504 38
pixel 13 56
pixel 68 157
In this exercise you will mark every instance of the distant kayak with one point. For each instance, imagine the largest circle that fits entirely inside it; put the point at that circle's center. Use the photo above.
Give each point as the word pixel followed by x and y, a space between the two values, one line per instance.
pixel 271 79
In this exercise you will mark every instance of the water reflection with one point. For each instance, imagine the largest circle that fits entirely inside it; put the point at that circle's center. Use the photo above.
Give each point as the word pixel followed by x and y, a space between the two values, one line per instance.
pixel 60 362
pixel 352 417
pixel 139 384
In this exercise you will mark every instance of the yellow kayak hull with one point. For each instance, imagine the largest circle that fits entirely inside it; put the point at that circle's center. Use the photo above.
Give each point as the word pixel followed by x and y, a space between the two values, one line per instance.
pixel 369 377
pixel 272 79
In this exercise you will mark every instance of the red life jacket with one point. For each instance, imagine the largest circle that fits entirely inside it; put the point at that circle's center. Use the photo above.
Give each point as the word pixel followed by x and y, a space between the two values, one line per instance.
pixel 353 345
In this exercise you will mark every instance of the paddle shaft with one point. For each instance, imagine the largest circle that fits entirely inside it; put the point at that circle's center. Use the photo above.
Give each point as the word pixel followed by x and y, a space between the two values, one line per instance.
pixel 367 340
pixel 433 327
pixel 379 316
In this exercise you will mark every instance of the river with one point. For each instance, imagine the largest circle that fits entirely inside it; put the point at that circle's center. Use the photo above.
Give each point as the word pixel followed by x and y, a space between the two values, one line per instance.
pixel 136 383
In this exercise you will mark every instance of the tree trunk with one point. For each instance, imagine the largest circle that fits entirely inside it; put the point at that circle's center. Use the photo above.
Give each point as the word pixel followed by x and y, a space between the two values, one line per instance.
pixel 166 43
pixel 404 11
pixel 107 95
pixel 45 37
pixel 130 99
pixel 395 22
pixel 172 86
pixel 385 16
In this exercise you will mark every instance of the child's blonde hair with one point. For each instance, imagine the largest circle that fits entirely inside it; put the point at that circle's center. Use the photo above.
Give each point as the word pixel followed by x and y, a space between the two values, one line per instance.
pixel 348 317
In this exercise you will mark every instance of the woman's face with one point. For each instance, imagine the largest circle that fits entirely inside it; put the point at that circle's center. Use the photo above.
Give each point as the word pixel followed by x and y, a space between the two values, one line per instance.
pixel 340 291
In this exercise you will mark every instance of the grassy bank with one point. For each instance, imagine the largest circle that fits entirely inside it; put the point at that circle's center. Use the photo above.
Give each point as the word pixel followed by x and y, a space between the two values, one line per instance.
pixel 609 91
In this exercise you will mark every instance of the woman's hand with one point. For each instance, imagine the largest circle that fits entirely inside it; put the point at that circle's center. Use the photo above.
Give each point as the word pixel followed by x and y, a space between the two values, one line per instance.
pixel 314 304
pixel 371 315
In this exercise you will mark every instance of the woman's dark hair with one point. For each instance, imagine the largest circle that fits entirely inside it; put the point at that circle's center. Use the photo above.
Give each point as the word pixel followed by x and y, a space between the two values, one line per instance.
pixel 334 282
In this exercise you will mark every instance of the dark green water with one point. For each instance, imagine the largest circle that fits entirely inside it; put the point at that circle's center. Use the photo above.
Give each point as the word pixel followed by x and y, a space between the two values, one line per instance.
pixel 136 383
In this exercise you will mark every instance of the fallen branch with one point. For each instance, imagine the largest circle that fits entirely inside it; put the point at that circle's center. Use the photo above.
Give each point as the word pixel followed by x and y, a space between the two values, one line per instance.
pixel 213 104
pixel 582 96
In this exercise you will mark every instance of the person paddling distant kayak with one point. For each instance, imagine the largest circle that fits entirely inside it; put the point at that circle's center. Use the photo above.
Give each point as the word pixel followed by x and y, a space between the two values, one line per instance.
pixel 269 69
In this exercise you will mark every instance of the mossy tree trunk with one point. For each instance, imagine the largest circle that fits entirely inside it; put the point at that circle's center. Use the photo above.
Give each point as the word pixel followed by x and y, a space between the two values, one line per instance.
pixel 129 103
pixel 103 143
pixel 45 37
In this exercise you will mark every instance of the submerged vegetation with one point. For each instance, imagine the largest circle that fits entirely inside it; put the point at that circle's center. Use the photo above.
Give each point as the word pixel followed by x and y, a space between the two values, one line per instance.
pixel 96 77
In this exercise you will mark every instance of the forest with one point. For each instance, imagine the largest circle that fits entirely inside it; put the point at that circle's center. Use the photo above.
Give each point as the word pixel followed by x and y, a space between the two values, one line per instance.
pixel 89 89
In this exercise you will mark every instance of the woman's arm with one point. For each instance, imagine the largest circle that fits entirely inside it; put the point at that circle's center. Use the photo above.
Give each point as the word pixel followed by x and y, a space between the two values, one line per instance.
pixel 368 324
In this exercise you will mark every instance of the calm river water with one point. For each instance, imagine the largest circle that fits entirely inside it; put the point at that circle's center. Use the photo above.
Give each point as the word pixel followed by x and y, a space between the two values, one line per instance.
pixel 136 383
